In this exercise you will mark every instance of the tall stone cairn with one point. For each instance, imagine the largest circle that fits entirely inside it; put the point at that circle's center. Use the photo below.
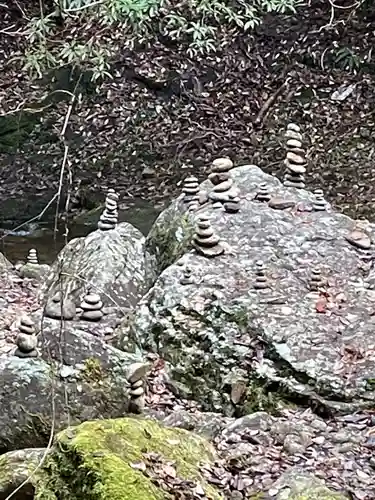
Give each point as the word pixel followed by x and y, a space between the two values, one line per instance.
pixel 295 161
pixel 26 340
pixel 32 256
pixel 190 189
pixel 205 240
pixel 137 374
pixel 221 179
pixel 109 218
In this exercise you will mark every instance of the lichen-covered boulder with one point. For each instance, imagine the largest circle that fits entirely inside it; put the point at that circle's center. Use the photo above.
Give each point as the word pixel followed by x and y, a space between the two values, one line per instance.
pixel 109 262
pixel 241 348
pixel 78 377
pixel 118 460
pixel 299 485
pixel 38 272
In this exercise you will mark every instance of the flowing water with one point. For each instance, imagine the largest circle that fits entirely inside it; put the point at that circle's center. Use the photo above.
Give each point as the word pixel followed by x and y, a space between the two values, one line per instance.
pixel 15 244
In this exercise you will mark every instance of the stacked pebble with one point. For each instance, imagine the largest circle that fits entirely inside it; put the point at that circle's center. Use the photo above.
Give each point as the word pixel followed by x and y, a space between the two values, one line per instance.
pixel 109 217
pixel 263 193
pixel 316 280
pixel 187 278
pixel 26 339
pixel 92 307
pixel 136 378
pixel 190 189
pixel 233 205
pixel 261 281
pixel 32 256
pixel 220 178
pixel 319 203
pixel 205 241
pixel 295 158
pixel 60 307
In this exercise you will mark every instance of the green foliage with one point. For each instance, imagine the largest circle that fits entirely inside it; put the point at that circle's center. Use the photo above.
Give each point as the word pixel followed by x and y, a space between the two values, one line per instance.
pixel 94 31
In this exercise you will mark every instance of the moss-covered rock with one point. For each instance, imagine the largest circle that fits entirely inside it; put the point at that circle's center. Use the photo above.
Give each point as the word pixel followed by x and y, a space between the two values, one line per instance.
pixel 100 460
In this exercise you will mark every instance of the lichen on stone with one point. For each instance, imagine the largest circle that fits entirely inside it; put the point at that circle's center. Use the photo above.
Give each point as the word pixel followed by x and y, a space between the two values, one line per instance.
pixel 96 460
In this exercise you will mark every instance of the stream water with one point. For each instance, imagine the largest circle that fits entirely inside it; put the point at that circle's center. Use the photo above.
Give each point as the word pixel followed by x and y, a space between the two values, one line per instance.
pixel 15 244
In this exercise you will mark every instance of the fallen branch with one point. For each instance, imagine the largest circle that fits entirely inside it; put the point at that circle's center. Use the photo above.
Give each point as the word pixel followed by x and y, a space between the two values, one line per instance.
pixel 269 102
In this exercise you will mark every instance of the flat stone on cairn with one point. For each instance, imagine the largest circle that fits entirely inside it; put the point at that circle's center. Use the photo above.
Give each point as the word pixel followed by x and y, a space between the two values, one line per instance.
pixel 109 218
pixel 316 280
pixel 92 307
pixel 32 256
pixel 319 203
pixel 261 281
pixel 26 340
pixel 220 178
pixel 54 310
pixel 205 241
pixel 295 161
pixel 263 194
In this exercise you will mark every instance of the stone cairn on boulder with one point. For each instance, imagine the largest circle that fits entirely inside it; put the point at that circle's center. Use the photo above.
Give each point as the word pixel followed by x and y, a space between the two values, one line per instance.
pixel 295 161
pixel 92 307
pixel 220 178
pixel 109 218
pixel 32 256
pixel 263 193
pixel 26 340
pixel 190 189
pixel 59 307
pixel 233 205
pixel 261 281
pixel 319 203
pixel 316 279
pixel 205 240
pixel 187 277
pixel 136 377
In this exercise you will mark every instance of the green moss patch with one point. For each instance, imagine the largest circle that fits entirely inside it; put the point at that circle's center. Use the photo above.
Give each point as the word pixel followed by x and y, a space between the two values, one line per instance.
pixel 98 460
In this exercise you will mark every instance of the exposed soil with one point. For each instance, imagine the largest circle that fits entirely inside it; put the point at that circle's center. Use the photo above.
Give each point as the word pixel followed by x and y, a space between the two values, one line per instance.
pixel 164 115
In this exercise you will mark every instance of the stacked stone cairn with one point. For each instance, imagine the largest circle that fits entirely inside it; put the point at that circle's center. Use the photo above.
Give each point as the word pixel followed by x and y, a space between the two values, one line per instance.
pixel 316 279
pixel 295 161
pixel 233 205
pixel 26 340
pixel 109 218
pixel 32 256
pixel 319 203
pixel 187 278
pixel 59 307
pixel 220 178
pixel 190 189
pixel 205 240
pixel 92 307
pixel 263 193
pixel 261 281
pixel 137 377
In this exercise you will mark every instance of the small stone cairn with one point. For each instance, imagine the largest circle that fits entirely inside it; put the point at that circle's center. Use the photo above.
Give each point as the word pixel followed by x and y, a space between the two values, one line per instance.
pixel 205 240
pixel 316 279
pixel 59 307
pixel 136 377
pixel 109 218
pixel 187 277
pixel 190 189
pixel 220 178
pixel 263 193
pixel 32 257
pixel 261 281
pixel 319 203
pixel 92 307
pixel 295 161
pixel 233 205
pixel 26 339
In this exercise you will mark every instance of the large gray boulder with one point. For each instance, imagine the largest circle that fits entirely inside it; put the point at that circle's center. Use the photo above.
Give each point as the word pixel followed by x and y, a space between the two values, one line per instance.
pixel 77 377
pixel 111 263
pixel 235 348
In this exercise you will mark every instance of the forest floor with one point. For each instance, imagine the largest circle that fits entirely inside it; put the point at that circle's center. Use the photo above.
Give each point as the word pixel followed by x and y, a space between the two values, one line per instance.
pixel 164 115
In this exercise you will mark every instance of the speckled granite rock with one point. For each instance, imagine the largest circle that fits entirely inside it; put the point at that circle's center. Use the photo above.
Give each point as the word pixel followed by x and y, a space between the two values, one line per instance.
pixel 230 344
pixel 5 265
pixel 112 262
